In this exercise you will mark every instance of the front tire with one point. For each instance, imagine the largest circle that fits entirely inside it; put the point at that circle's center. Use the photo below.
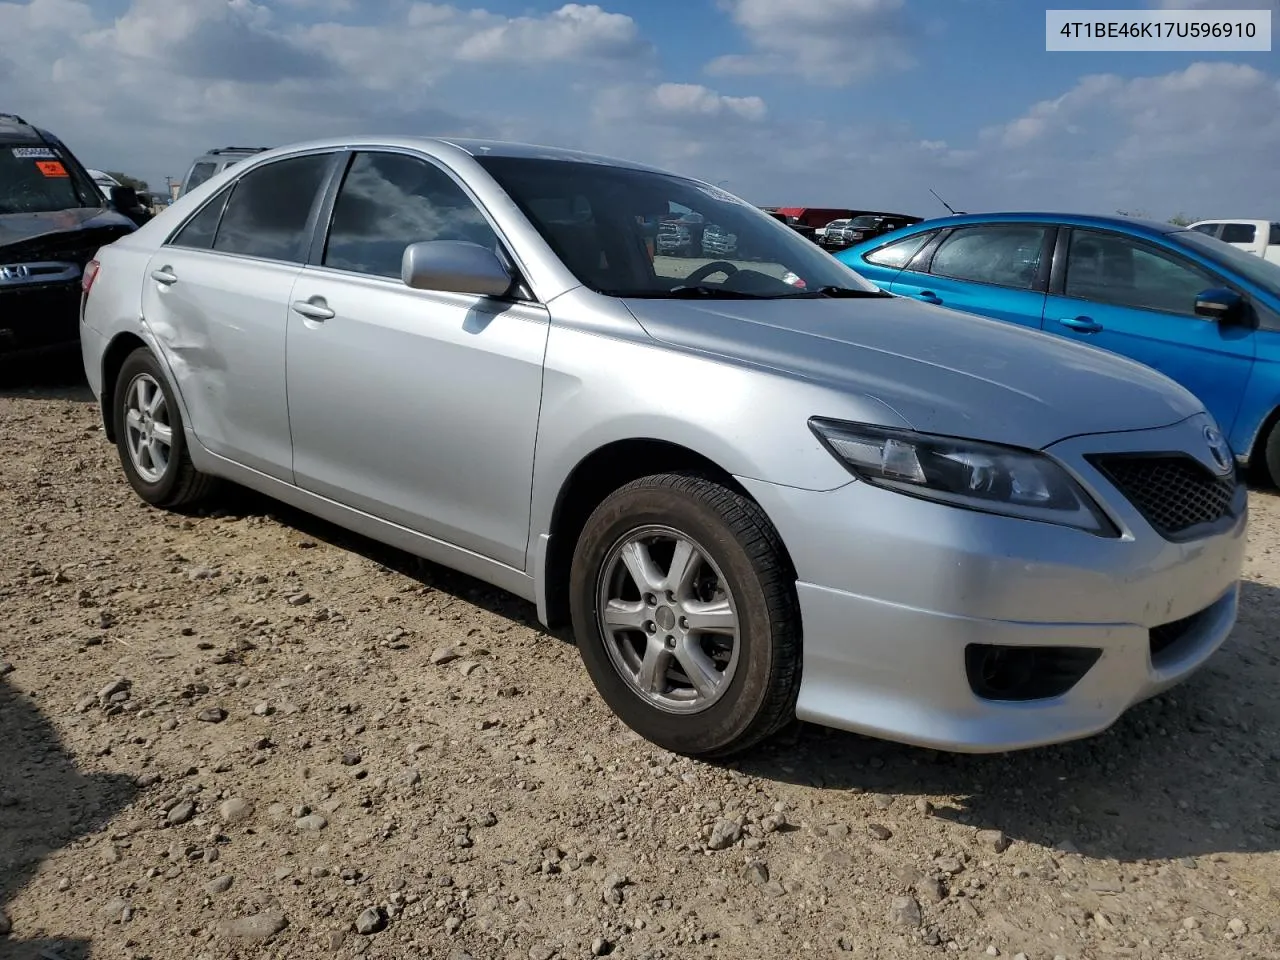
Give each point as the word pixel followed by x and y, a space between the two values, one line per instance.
pixel 150 437
pixel 685 613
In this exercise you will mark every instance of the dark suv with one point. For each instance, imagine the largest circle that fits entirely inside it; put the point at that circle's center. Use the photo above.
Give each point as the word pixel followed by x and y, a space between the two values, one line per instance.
pixel 53 218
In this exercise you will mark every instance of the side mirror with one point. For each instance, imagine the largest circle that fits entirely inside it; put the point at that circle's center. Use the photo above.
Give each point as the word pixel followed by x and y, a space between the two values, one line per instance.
pixel 124 199
pixel 1220 305
pixel 454 266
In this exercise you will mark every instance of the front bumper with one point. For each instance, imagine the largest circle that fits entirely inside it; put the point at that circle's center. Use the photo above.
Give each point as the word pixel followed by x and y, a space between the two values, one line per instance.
pixel 39 317
pixel 893 590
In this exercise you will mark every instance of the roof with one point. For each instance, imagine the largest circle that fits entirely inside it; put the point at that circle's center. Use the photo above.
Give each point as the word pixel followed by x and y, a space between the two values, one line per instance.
pixel 1133 224
pixel 13 129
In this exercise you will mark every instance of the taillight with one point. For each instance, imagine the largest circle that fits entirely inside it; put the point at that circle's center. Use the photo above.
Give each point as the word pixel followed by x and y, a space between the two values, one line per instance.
pixel 90 274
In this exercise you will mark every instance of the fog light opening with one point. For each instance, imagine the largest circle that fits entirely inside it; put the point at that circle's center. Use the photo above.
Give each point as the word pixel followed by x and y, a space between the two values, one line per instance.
pixel 1001 672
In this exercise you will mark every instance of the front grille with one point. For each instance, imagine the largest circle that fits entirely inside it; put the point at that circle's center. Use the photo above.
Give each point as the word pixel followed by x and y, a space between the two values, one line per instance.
pixel 1174 493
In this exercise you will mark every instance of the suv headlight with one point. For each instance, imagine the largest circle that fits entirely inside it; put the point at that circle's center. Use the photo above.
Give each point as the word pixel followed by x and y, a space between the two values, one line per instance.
pixel 963 473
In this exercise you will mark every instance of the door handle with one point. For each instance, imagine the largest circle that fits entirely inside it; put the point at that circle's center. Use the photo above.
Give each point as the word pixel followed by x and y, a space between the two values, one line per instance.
pixel 313 309
pixel 164 275
pixel 1081 324
pixel 928 296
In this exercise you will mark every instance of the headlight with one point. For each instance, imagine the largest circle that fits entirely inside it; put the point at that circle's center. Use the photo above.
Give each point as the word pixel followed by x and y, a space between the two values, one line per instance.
pixel 963 473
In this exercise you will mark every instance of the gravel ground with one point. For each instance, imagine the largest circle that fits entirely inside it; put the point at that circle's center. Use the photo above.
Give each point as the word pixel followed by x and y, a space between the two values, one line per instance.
pixel 250 734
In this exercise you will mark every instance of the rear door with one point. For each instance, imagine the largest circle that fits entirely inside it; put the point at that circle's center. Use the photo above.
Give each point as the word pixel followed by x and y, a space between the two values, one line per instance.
pixel 996 270
pixel 216 296
pixel 1124 294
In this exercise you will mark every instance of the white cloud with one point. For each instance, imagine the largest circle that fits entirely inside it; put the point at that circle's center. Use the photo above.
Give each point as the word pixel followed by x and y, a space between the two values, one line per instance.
pixel 830 42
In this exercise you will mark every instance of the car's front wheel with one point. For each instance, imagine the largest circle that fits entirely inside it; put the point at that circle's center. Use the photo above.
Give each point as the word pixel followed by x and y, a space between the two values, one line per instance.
pixel 150 438
pixel 685 614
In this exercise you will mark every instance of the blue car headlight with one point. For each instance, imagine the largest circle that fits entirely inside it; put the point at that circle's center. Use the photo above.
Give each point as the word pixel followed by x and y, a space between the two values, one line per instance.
pixel 970 474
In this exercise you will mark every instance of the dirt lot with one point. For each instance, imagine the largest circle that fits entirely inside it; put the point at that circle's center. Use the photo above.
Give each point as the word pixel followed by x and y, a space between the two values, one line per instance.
pixel 248 734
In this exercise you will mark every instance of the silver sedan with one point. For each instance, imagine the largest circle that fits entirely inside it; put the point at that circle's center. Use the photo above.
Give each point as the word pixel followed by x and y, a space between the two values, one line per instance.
pixel 757 487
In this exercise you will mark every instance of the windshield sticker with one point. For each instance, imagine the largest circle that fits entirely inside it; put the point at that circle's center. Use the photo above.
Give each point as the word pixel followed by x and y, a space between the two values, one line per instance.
pixel 52 168
pixel 34 153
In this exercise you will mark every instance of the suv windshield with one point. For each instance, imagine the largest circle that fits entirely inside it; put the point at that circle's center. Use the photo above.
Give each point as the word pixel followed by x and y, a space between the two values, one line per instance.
pixel 863 223
pixel 37 178
pixel 635 233
pixel 1249 265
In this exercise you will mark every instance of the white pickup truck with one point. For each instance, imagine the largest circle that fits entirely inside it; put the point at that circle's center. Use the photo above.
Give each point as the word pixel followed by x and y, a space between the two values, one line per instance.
pixel 1260 237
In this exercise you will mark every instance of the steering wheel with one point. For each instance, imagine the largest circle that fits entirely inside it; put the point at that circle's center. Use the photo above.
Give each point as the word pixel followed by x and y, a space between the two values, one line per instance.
pixel 707 269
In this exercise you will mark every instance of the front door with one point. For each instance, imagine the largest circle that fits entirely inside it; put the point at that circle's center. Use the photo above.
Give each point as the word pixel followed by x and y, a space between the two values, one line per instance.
pixel 216 297
pixel 1134 298
pixel 991 269
pixel 415 406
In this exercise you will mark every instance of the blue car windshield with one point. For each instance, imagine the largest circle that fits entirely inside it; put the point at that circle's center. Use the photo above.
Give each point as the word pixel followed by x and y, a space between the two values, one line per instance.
pixel 1252 267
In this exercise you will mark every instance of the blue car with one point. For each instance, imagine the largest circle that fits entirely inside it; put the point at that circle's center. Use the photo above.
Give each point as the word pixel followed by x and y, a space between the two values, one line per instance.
pixel 1191 306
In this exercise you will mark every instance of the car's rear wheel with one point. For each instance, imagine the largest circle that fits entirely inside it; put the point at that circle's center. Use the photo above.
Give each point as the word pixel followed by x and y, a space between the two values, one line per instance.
pixel 150 438
pixel 685 614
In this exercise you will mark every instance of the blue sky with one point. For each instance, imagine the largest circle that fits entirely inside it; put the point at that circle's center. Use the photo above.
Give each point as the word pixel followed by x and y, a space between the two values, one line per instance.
pixel 864 103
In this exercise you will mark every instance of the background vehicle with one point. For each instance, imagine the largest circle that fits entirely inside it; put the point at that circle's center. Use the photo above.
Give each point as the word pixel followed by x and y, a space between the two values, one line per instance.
pixel 1259 237
pixel 718 242
pixel 214 162
pixel 53 217
pixel 104 181
pixel 1195 308
pixel 722 458
pixel 821 232
pixel 861 229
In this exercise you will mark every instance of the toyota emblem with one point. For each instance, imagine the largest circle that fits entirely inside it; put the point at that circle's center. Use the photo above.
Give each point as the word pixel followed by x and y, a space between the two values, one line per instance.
pixel 1218 448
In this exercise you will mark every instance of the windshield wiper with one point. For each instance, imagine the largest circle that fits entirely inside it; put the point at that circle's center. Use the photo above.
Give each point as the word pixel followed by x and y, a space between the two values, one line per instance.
pixel 693 292
pixel 844 292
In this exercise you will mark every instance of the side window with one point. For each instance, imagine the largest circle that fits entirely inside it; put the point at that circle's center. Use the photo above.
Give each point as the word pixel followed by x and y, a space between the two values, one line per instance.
pixel 1238 233
pixel 1274 239
pixel 269 208
pixel 199 231
pixel 1004 254
pixel 898 253
pixel 1211 229
pixel 388 201
pixel 199 174
pixel 1106 268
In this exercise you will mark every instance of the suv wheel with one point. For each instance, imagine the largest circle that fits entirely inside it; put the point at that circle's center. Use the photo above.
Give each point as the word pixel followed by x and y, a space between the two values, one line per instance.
pixel 150 438
pixel 685 613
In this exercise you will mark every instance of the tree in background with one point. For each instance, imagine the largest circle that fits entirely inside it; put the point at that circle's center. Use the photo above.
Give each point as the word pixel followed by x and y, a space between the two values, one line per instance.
pixel 127 181
pixel 1178 219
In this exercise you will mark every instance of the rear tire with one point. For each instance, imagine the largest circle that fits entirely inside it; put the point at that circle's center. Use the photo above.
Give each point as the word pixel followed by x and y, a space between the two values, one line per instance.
pixel 706 663
pixel 150 437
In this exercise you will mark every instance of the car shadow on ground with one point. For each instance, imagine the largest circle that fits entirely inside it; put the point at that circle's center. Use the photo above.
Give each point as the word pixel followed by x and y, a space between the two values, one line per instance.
pixel 1188 773
pixel 45 803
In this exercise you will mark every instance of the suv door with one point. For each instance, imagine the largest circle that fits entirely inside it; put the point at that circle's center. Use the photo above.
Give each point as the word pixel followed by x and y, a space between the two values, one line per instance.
pixel 997 270
pixel 416 406
pixel 217 298
pixel 1134 298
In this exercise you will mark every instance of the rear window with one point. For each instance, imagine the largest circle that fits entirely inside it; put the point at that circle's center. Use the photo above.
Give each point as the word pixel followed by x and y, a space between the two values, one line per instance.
pixel 1239 233
pixel 200 173
pixel 37 178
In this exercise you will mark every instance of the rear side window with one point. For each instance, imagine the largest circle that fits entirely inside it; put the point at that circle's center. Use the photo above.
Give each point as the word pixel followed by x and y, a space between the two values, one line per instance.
pixel 269 208
pixel 898 253
pixel 200 173
pixel 1238 233
pixel 1006 254
pixel 198 232
pixel 1275 235
pixel 1209 229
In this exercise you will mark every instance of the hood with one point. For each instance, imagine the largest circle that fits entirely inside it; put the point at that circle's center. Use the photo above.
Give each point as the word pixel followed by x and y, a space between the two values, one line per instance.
pixel 941 370
pixel 18 228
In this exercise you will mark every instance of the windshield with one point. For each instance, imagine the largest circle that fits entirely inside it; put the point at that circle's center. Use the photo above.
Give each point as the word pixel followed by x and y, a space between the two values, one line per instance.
pixel 1252 267
pixel 633 233
pixel 36 178
pixel 862 223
